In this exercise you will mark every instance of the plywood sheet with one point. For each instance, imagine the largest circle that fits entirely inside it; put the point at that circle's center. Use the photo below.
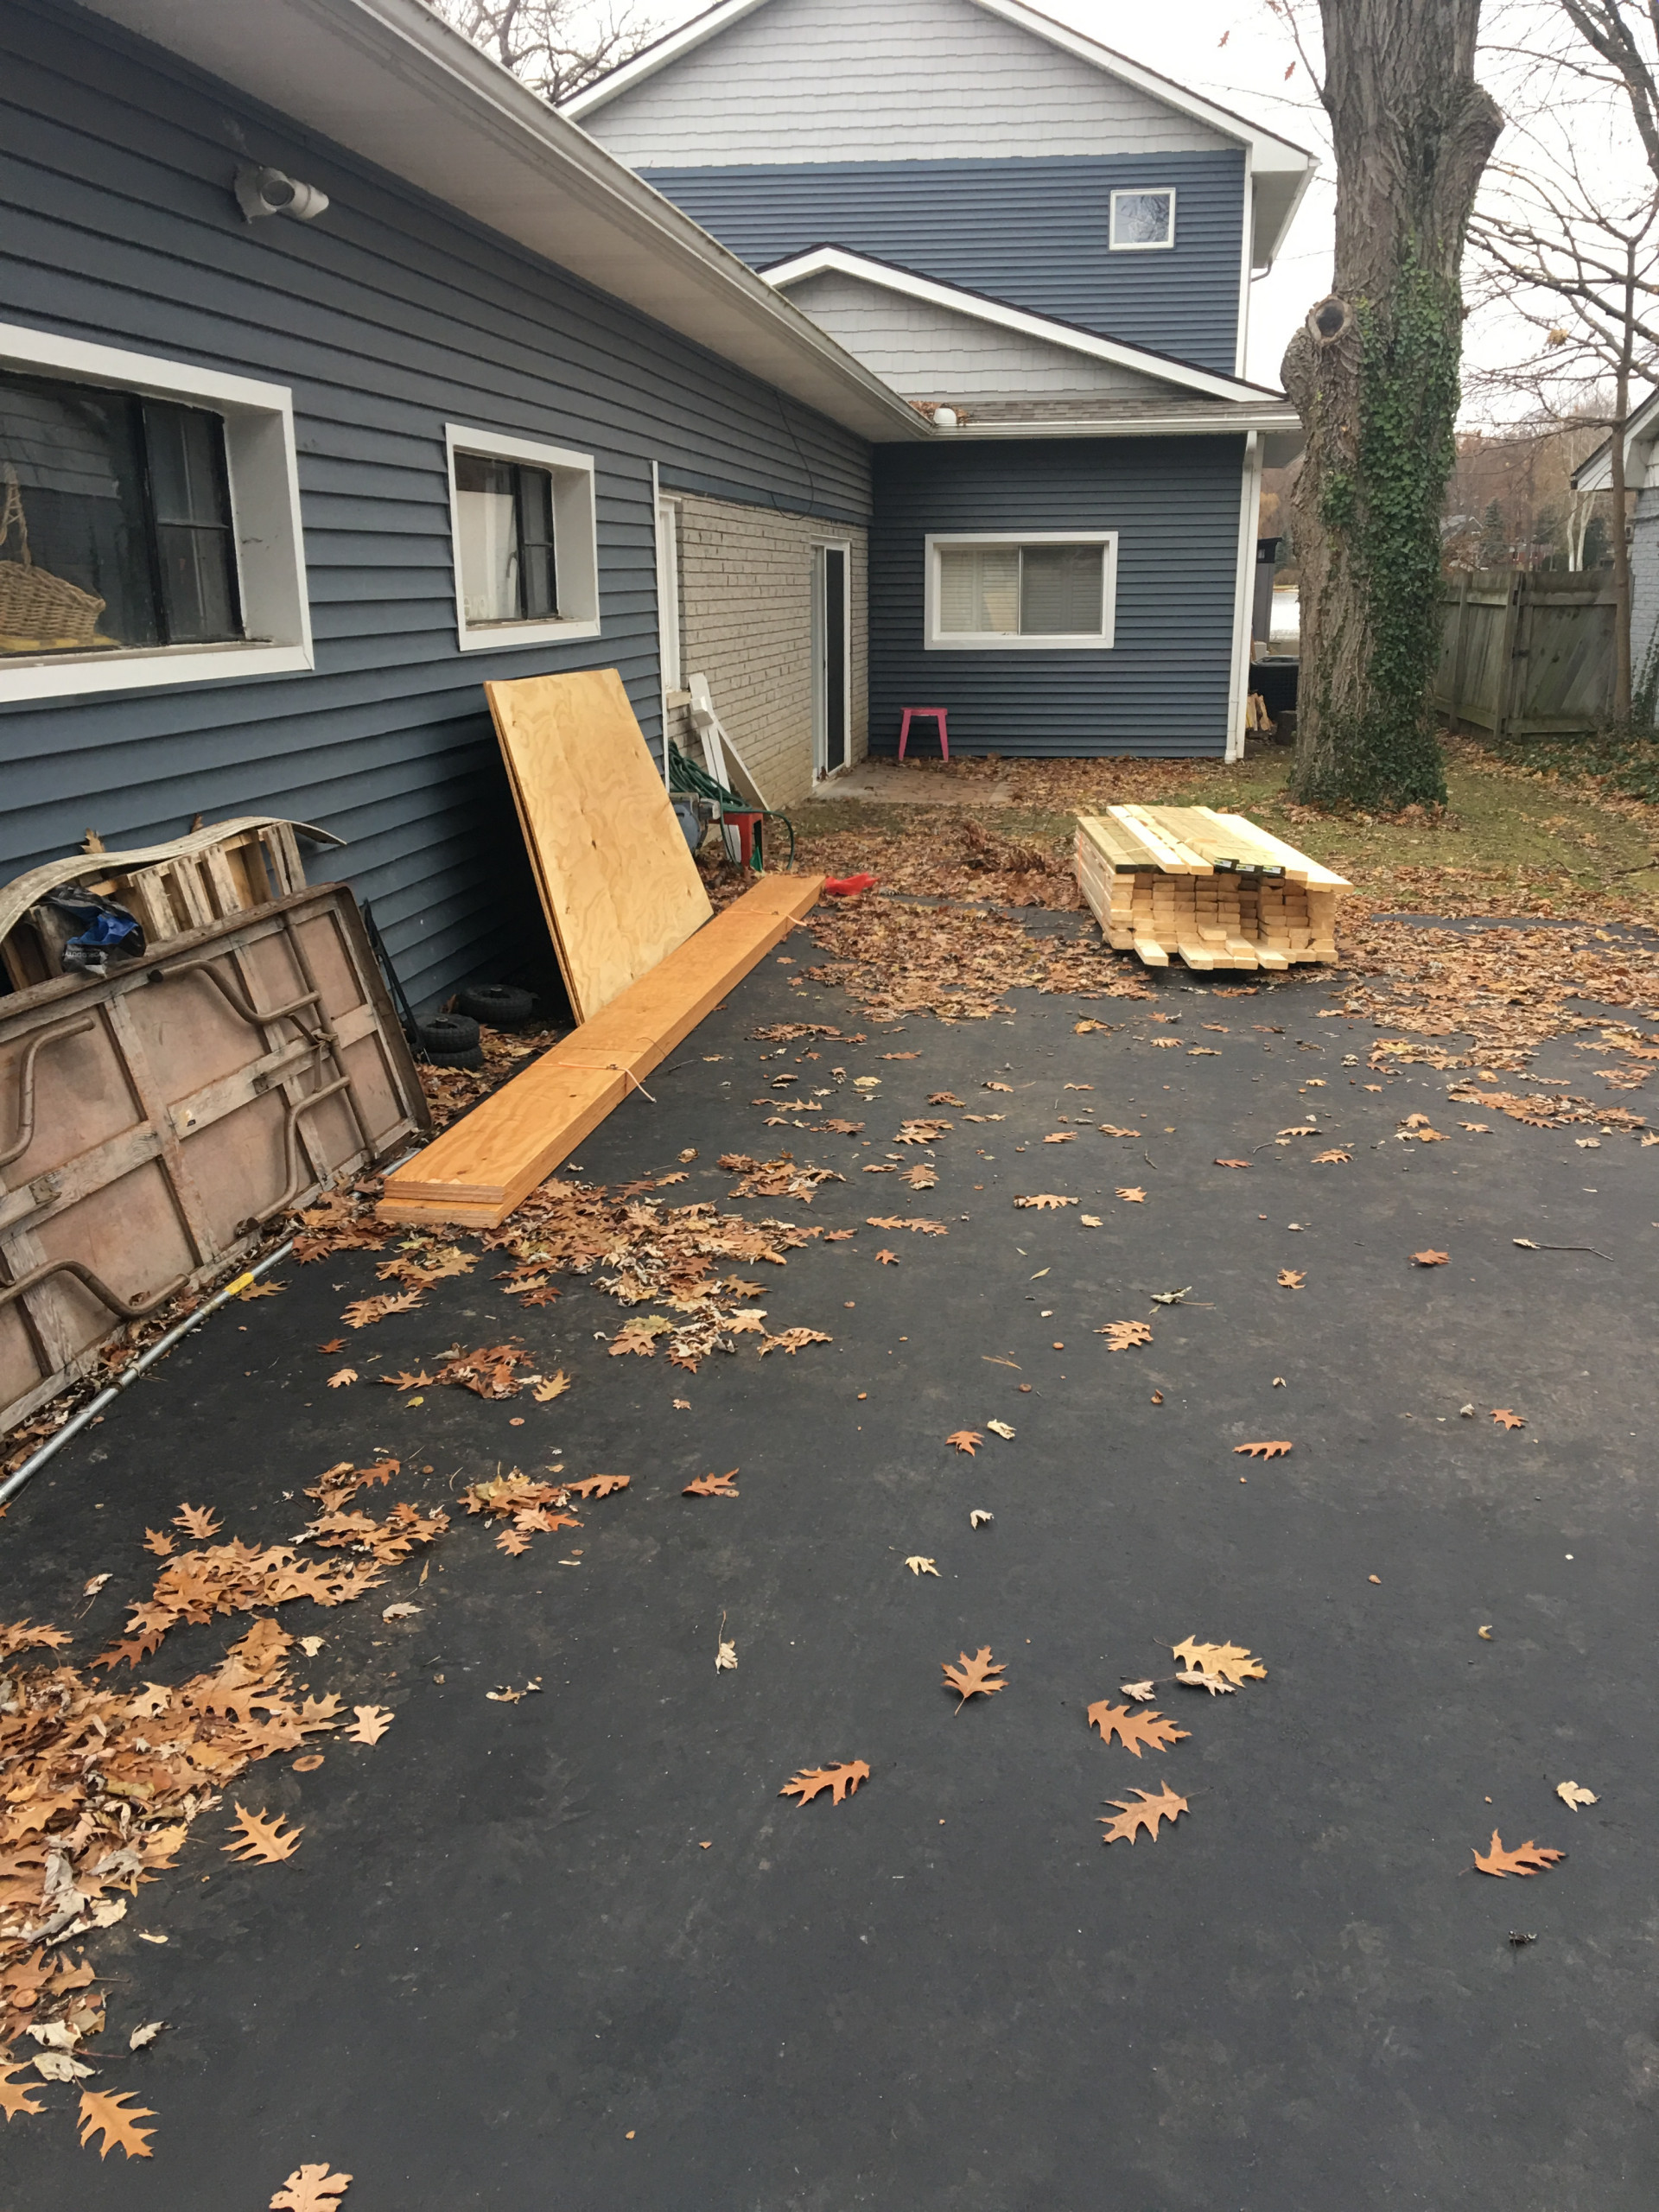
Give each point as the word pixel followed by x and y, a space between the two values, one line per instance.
pixel 483 1166
pixel 618 883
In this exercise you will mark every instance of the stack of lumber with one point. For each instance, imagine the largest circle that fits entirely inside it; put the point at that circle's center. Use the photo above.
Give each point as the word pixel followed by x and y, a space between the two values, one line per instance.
pixel 630 919
pixel 1213 887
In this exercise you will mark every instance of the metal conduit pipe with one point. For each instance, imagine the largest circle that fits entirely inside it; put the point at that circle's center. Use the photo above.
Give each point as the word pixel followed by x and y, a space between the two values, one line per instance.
pixel 94 1406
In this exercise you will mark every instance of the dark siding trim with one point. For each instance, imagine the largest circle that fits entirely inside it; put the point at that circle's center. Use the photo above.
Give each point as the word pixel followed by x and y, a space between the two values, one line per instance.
pixel 1162 690
pixel 387 319
pixel 1034 233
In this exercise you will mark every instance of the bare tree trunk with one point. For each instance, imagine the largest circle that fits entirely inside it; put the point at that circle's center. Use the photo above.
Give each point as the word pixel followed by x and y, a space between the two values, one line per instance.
pixel 1374 374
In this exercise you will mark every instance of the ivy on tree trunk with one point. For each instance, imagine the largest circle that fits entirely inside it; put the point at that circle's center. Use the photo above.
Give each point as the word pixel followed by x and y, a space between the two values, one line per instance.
pixel 1374 374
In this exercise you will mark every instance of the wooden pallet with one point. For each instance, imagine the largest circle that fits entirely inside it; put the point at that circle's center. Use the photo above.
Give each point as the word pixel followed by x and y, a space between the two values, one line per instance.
pixel 481 1167
pixel 1211 888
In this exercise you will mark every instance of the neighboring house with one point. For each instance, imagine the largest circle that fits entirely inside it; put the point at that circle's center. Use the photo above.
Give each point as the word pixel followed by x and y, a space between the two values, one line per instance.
pixel 1641 479
pixel 1047 251
pixel 293 488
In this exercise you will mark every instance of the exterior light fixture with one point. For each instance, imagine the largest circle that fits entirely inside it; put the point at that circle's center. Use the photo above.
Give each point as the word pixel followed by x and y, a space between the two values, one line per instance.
pixel 261 192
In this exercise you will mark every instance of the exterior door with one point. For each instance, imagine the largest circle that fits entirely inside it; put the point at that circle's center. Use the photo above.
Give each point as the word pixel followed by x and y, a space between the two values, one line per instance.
pixel 831 634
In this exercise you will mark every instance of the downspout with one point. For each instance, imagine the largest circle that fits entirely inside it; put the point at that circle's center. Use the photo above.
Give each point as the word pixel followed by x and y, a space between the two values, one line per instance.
pixel 1250 505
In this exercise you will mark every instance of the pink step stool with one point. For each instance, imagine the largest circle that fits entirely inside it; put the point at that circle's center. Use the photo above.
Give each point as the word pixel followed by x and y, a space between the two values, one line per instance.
pixel 937 713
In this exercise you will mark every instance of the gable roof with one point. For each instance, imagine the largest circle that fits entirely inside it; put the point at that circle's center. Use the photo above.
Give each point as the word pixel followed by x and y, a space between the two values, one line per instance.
pixel 390 82
pixel 1048 329
pixel 1281 168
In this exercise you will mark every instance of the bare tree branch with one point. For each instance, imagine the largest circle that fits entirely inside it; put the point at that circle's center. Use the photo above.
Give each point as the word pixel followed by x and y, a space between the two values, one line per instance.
pixel 555 47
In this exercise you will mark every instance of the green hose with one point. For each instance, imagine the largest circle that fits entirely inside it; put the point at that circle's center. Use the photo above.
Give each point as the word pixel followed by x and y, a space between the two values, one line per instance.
pixel 684 776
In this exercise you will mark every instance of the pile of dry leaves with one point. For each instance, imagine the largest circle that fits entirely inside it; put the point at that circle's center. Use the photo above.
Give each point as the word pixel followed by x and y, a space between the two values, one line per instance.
pixel 103 1778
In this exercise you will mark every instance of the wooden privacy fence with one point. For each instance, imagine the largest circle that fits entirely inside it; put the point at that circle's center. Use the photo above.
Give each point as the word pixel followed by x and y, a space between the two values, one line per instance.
pixel 1527 654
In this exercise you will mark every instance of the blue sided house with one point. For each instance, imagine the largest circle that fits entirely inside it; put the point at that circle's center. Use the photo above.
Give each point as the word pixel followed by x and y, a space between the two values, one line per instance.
pixel 1046 251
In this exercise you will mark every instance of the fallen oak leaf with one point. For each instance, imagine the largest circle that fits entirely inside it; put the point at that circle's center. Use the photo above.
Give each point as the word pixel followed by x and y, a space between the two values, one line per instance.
pixel 141 2038
pixel 973 1677
pixel 157 1541
pixel 711 1486
pixel 791 1340
pixel 1001 1428
pixel 1429 1259
pixel 1134 1730
pixel 1235 1163
pixel 1142 1691
pixel 1044 1202
pixel 405 1380
pixel 1125 1335
pixel 1131 1195
pixel 334 1343
pixel 551 1387
pixel 601 1485
pixel 1274 1451
pixel 341 1377
pixel 1528 1858
pixel 1506 1419
pixel 310 2189
pixel 109 2114
pixel 1145 1812
pixel 840 1781
pixel 1571 1793
pixel 198 1521
pixel 373 1722
pixel 978 1517
pixel 61 2066
pixel 264 1841
pixel 918 1565
pixel 14 2096
pixel 887 1259
pixel 1062 1136
pixel 402 1611
pixel 1231 1662
pixel 965 1439
pixel 1291 1279
pixel 1335 1157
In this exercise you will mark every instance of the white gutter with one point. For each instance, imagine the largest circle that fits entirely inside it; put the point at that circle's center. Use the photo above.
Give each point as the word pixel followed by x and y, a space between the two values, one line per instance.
pixel 1157 426
pixel 1249 508
pixel 390 82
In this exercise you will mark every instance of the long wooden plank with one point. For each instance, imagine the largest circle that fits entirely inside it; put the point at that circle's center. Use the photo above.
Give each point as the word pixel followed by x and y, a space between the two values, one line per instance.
pixel 483 1166
pixel 1298 868
pixel 617 880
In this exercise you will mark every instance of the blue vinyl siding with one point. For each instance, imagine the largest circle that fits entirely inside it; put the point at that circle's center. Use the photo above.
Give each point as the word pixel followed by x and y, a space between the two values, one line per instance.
pixel 1162 690
pixel 386 319
pixel 1034 233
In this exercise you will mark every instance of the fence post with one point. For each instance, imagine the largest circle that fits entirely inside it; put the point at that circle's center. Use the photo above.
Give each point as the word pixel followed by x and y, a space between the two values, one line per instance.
pixel 1460 648
pixel 1510 656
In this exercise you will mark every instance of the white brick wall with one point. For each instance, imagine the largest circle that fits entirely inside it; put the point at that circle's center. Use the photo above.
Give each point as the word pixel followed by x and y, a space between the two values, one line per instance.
pixel 745 623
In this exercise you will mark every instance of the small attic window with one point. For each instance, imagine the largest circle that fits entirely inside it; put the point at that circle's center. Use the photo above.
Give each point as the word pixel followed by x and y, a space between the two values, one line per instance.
pixel 1143 221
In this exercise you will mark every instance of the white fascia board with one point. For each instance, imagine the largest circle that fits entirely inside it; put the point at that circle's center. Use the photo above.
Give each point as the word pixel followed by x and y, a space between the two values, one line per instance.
pixel 1641 432
pixel 659 55
pixel 390 82
pixel 834 259
pixel 1148 426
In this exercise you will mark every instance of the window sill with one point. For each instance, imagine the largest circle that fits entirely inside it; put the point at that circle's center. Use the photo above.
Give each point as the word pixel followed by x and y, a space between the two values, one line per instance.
pixel 1090 641
pixel 66 675
pixel 505 637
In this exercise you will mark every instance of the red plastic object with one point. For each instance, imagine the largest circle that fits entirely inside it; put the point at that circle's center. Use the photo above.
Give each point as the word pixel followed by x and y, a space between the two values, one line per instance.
pixel 848 887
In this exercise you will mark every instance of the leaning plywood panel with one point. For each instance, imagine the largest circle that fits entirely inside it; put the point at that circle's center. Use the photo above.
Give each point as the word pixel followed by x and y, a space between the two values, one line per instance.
pixel 483 1166
pixel 618 883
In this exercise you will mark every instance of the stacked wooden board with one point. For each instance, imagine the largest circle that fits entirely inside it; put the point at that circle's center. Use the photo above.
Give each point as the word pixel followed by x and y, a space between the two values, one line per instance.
pixel 618 884
pixel 1213 887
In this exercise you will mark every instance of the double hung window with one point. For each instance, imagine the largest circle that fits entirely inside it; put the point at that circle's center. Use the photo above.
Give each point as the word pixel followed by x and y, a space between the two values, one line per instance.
pixel 525 551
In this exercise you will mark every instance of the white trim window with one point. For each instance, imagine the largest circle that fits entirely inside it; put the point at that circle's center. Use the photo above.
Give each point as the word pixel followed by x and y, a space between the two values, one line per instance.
pixel 150 523
pixel 1030 588
pixel 1143 221
pixel 526 545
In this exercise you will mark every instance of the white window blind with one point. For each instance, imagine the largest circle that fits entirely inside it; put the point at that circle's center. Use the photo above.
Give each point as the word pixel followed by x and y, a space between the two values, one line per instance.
pixel 1040 590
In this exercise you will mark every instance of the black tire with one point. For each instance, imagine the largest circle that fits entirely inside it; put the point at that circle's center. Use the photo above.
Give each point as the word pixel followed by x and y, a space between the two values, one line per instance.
pixel 449 1032
pixel 474 1059
pixel 502 1006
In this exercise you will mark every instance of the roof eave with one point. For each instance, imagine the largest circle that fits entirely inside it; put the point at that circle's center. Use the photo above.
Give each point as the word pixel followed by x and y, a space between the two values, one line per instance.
pixel 390 82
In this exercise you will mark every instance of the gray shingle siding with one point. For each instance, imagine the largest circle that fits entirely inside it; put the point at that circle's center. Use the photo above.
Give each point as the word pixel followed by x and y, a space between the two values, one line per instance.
pixel 1162 689
pixel 386 319
pixel 1033 232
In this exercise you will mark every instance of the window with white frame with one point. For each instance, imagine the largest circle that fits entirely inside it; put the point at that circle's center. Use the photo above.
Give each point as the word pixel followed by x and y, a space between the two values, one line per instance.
pixel 1038 588
pixel 150 525
pixel 525 544
pixel 1142 220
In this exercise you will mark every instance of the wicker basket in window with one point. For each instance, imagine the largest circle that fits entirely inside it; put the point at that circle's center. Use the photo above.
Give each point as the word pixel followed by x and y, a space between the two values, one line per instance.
pixel 34 604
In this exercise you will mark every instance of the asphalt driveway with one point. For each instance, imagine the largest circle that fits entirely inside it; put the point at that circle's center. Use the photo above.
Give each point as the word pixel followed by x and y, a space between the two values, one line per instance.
pixel 575 1952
